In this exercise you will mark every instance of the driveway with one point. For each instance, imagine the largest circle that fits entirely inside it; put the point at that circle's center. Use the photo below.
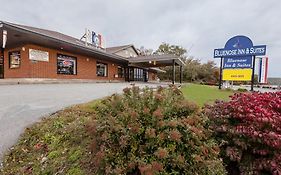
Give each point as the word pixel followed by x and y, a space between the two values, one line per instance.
pixel 22 105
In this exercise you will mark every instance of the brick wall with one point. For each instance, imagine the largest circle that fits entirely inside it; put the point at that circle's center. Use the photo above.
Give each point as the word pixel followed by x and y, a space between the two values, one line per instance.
pixel 86 66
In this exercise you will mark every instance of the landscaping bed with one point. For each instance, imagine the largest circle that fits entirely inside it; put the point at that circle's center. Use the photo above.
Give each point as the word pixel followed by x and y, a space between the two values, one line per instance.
pixel 57 144
pixel 64 143
pixel 145 131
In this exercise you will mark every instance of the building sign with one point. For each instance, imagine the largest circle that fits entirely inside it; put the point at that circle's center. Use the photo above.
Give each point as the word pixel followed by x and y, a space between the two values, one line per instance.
pixel 66 65
pixel 94 39
pixel 38 55
pixel 237 63
pixel 237 74
pixel 237 58
pixel 248 51
pixel 263 69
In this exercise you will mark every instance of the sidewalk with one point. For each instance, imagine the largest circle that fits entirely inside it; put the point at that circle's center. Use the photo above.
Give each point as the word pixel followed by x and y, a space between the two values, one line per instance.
pixel 14 81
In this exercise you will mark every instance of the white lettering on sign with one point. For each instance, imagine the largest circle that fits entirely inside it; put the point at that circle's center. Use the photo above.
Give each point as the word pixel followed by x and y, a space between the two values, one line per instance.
pixel 255 50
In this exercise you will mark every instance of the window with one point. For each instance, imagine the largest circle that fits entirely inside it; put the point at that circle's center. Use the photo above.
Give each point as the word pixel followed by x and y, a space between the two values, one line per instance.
pixel 101 69
pixel 120 72
pixel 138 74
pixel 14 59
pixel 66 65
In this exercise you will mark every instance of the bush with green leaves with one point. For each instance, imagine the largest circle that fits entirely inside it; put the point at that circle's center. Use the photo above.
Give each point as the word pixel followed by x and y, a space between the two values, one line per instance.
pixel 152 132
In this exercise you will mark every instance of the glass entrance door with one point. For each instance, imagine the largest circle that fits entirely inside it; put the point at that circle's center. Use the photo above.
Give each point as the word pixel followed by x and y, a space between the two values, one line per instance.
pixel 1 66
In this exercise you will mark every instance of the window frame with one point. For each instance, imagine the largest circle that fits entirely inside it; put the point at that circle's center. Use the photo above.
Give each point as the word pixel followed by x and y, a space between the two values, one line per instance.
pixel 106 73
pixel 10 54
pixel 122 72
pixel 69 56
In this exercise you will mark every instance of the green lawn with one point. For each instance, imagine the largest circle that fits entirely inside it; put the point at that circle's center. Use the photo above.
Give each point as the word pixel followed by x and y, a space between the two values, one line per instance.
pixel 202 94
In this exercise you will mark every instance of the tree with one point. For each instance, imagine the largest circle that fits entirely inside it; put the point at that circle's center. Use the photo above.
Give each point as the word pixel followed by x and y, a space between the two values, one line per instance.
pixel 193 69
pixel 166 48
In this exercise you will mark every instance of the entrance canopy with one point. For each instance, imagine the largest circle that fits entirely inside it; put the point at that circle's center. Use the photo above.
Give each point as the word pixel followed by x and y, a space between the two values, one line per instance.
pixel 152 61
pixel 156 60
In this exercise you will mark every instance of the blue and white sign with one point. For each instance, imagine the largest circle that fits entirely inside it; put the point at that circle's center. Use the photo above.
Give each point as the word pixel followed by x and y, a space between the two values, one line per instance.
pixel 250 51
pixel 237 63
pixel 240 46
pixel 237 59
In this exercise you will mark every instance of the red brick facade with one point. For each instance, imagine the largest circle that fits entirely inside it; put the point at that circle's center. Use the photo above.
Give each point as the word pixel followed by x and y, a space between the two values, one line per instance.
pixel 86 66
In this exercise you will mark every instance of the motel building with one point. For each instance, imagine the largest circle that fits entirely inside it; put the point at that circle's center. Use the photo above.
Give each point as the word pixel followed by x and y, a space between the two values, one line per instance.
pixel 30 52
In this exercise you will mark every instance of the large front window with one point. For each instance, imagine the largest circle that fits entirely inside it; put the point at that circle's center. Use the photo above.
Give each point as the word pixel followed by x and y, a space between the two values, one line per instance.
pixel 66 65
pixel 101 69
pixel 138 74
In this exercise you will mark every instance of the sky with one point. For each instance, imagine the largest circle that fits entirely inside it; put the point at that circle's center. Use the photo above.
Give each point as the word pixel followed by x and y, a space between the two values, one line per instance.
pixel 200 26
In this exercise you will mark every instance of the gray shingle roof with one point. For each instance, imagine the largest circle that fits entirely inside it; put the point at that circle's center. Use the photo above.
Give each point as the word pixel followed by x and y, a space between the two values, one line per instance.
pixel 274 81
pixel 119 48
pixel 50 33
pixel 147 58
pixel 63 38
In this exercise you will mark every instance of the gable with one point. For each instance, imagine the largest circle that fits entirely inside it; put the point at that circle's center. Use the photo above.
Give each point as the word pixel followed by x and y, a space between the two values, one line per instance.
pixel 127 52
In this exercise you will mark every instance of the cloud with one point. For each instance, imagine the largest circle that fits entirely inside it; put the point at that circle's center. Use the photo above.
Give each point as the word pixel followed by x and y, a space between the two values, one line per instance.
pixel 205 24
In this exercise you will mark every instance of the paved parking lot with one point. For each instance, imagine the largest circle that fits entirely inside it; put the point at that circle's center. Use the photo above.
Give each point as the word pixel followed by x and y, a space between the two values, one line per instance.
pixel 22 105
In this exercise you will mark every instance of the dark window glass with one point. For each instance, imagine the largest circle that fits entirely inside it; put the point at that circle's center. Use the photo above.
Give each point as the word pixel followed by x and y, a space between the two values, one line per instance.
pixel 66 65
pixel 14 59
pixel 120 72
pixel 101 69
pixel 138 74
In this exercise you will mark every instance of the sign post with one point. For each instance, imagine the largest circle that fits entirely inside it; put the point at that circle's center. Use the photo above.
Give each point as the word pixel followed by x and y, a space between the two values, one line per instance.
pixel 220 81
pixel 253 74
pixel 238 59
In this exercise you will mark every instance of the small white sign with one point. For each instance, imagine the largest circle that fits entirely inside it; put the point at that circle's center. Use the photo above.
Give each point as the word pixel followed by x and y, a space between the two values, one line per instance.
pixel 38 55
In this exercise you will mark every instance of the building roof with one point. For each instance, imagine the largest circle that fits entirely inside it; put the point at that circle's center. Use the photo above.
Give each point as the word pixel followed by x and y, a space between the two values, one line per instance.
pixel 274 81
pixel 21 34
pixel 62 38
pixel 160 60
pixel 50 33
pixel 119 48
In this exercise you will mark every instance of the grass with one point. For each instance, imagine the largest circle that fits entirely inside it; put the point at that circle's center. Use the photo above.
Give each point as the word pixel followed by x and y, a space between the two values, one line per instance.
pixel 202 94
pixel 59 144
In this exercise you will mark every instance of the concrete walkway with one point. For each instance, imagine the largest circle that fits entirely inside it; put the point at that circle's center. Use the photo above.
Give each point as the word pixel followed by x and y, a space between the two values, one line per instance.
pixel 22 105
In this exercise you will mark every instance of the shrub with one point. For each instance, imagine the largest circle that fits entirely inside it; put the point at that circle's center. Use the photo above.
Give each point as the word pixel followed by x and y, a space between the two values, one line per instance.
pixel 147 132
pixel 249 130
pixel 242 90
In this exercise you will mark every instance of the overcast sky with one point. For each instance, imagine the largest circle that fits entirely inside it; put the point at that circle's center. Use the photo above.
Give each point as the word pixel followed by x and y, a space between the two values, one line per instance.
pixel 203 24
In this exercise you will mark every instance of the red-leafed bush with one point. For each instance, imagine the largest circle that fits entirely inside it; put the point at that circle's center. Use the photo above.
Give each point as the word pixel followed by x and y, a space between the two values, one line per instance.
pixel 248 127
pixel 147 132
